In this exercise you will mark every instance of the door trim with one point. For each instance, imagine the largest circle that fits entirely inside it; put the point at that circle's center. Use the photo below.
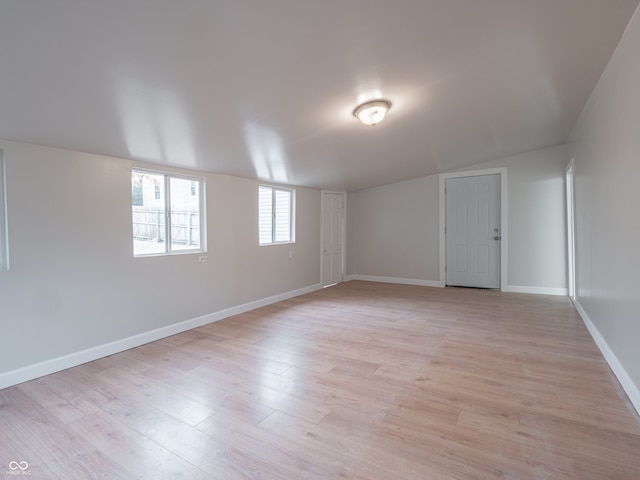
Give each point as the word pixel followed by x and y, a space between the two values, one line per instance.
pixel 504 244
pixel 570 190
pixel 344 235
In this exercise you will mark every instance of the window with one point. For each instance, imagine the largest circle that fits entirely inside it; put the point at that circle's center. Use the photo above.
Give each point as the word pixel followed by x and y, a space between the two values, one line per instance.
pixel 167 213
pixel 4 247
pixel 275 215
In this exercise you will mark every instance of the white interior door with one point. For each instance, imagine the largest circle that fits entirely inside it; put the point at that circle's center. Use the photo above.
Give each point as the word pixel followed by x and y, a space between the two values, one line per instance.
pixel 472 231
pixel 333 205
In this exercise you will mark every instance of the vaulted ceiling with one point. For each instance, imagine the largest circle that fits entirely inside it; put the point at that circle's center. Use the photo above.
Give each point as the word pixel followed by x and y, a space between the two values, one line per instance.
pixel 266 89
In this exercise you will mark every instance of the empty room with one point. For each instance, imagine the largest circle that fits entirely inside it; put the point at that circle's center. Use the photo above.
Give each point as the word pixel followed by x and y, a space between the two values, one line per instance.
pixel 355 239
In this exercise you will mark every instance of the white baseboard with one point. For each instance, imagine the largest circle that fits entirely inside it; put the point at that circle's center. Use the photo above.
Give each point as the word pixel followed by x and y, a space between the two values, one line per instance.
pixel 437 283
pixel 536 290
pixel 630 388
pixel 47 367
pixel 401 281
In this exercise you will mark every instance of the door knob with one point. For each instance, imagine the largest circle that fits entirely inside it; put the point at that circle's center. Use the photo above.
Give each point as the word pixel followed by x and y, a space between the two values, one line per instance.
pixel 497 237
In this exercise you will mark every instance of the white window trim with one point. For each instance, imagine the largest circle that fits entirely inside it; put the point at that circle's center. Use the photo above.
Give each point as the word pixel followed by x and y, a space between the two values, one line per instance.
pixel 4 225
pixel 292 216
pixel 167 201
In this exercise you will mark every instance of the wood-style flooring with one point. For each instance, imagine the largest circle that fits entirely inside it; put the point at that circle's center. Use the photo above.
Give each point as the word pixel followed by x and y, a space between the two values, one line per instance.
pixel 357 381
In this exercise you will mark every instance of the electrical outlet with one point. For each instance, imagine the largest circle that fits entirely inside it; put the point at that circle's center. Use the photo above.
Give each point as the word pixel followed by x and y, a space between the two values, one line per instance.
pixel 202 258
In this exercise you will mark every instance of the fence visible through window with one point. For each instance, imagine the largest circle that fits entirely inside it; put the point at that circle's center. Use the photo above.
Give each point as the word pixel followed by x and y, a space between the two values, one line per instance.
pixel 161 226
pixel 149 227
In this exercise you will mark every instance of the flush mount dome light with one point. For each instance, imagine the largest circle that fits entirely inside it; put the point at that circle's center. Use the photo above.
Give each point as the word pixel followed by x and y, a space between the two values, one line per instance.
pixel 372 113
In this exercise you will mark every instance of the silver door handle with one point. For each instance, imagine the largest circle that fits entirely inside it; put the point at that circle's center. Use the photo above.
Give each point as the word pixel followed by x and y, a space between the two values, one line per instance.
pixel 496 237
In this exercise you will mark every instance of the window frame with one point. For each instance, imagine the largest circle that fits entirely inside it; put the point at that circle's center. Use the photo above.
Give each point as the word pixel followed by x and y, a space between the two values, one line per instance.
pixel 167 176
pixel 292 215
pixel 4 224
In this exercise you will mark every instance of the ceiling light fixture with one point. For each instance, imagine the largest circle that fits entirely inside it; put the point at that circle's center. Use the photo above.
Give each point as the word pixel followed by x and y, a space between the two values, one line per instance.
pixel 372 113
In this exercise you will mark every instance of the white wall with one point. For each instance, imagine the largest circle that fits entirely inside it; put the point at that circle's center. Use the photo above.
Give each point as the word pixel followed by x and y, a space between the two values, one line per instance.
pixel 393 229
pixel 537 228
pixel 74 284
pixel 606 146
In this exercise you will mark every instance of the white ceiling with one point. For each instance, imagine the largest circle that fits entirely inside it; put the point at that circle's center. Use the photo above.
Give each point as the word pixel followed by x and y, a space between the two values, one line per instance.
pixel 265 89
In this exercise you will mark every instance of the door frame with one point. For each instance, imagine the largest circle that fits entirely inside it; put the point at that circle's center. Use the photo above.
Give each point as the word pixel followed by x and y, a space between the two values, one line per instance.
pixel 570 190
pixel 504 244
pixel 344 235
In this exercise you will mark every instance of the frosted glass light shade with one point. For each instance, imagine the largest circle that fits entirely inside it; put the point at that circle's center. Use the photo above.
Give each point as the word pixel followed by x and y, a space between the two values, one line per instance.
pixel 372 113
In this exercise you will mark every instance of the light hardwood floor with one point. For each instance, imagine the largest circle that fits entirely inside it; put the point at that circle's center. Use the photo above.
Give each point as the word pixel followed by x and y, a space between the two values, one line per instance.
pixel 358 381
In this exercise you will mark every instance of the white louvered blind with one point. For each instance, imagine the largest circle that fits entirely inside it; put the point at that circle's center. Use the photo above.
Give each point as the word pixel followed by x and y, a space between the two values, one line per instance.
pixel 274 215
pixel 265 215
pixel 282 216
